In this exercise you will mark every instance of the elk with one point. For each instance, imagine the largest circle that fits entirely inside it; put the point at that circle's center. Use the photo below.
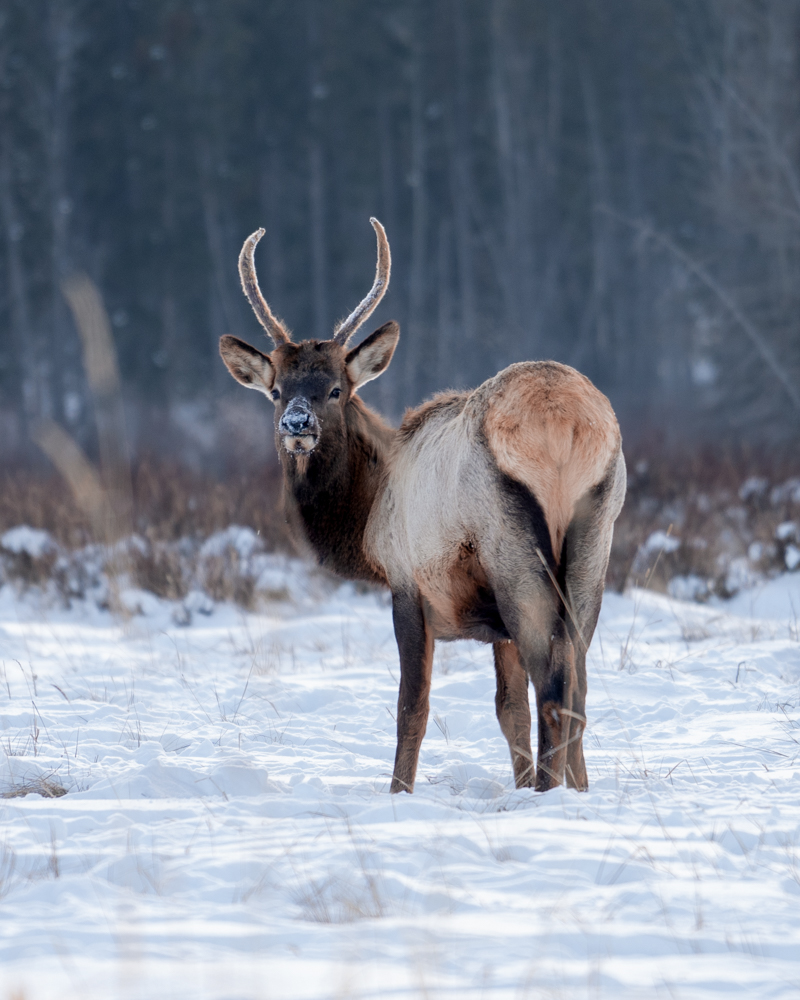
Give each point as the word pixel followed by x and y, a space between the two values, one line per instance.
pixel 488 514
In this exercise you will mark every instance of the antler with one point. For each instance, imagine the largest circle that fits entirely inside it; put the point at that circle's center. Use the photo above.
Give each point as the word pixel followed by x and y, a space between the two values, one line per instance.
pixel 345 330
pixel 247 272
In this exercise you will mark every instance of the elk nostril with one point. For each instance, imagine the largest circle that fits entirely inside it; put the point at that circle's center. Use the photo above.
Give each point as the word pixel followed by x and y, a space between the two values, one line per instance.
pixel 296 421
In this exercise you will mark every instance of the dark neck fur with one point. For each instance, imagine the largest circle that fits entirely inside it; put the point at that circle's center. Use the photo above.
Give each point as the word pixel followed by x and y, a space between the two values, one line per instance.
pixel 330 494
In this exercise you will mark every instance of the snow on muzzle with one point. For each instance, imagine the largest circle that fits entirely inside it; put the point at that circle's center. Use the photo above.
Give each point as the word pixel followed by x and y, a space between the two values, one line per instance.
pixel 299 427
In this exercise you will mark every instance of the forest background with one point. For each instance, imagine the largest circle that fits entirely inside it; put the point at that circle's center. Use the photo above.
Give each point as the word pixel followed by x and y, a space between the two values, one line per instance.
pixel 614 185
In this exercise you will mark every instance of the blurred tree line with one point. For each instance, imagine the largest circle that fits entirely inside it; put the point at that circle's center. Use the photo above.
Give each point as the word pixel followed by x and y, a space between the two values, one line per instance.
pixel 615 185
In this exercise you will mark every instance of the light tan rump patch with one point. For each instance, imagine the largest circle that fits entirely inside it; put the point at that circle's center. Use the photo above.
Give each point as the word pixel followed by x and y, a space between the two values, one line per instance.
pixel 549 428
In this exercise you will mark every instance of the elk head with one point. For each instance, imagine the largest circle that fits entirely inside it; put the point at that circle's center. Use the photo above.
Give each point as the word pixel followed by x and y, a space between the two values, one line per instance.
pixel 311 382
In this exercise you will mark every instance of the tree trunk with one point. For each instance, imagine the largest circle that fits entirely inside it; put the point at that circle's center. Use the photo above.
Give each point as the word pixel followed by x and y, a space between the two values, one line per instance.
pixel 510 242
pixel 419 214
pixel 389 385
pixel 461 188
pixel 322 321
pixel 271 195
pixel 32 362
pixel 55 124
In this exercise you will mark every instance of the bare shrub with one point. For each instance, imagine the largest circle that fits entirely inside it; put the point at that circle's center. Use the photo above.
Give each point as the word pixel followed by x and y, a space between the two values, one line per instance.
pixel 41 501
pixel 731 518
pixel 26 570
pixel 163 570
pixel 48 789
pixel 715 520
pixel 222 579
pixel 173 502
pixel 170 502
pixel 175 509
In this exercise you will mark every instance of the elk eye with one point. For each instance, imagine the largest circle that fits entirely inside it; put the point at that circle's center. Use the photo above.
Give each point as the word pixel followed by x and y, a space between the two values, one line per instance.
pixel 335 393
pixel 275 394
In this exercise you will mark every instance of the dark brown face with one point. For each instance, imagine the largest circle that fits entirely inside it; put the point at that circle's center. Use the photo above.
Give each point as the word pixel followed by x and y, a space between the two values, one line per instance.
pixel 310 390
pixel 310 383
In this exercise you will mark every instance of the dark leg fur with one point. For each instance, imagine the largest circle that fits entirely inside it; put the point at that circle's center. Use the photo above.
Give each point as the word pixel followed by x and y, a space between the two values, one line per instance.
pixel 415 643
pixel 513 711
pixel 555 688
pixel 546 652
pixel 585 556
pixel 576 765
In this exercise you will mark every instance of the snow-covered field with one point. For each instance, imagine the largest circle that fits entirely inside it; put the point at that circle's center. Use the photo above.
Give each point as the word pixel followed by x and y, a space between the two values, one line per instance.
pixel 227 830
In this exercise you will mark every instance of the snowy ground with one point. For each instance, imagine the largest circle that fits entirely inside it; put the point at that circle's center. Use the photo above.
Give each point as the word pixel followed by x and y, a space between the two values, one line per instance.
pixel 227 830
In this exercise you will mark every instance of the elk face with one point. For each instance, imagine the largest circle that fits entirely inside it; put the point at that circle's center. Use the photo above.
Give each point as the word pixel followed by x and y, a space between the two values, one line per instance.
pixel 310 383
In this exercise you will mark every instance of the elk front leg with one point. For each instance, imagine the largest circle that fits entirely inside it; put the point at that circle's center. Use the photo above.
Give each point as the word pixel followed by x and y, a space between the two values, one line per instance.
pixel 514 711
pixel 415 643
pixel 555 688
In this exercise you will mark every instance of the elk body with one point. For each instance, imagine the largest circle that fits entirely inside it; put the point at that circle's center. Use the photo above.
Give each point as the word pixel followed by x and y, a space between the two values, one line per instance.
pixel 488 514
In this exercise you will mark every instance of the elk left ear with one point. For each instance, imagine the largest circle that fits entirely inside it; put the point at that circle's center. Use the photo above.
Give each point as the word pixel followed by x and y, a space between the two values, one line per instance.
pixel 372 356
pixel 247 365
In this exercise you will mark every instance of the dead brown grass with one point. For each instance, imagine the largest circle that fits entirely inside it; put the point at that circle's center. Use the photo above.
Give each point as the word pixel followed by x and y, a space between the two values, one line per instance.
pixel 223 581
pixel 40 786
pixel 720 504
pixel 697 497
pixel 170 502
pixel 172 505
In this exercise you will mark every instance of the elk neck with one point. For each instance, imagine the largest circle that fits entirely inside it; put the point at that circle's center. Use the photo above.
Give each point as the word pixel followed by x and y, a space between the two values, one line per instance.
pixel 329 494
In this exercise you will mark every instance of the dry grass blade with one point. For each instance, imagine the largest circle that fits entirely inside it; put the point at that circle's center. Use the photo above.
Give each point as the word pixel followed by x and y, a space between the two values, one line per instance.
pixel 564 600
pixel 106 498
pixel 99 354
pixel 102 372
pixel 84 482
pixel 41 786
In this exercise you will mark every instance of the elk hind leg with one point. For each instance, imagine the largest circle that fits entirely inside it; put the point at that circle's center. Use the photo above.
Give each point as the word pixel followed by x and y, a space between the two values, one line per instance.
pixel 585 559
pixel 555 688
pixel 415 643
pixel 576 764
pixel 513 711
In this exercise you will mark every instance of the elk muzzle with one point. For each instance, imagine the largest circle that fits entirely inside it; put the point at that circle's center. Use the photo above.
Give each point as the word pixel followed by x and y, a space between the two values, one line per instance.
pixel 299 427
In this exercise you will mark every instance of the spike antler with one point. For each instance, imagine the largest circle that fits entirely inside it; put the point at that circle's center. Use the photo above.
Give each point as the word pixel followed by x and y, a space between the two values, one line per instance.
pixel 247 272
pixel 345 330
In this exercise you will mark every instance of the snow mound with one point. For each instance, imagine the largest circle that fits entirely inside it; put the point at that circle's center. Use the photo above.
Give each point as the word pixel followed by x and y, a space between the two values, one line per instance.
pixel 777 599
pixel 660 541
pixel 30 541
pixel 244 541
pixel 689 588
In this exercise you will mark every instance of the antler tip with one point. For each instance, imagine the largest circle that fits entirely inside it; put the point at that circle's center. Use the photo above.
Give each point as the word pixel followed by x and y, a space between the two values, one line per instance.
pixel 253 238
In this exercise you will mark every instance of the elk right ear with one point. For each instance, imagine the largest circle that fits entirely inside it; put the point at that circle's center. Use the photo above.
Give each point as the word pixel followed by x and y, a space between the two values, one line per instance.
pixel 372 356
pixel 247 365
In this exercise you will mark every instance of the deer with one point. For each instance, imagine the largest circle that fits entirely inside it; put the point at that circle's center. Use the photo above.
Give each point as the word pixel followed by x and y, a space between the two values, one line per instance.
pixel 488 514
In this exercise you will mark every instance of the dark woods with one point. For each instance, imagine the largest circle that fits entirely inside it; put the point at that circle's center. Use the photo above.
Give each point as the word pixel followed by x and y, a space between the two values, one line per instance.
pixel 615 185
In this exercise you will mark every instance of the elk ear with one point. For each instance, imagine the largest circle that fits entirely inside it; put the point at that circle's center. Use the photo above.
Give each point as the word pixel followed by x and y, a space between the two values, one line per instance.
pixel 247 365
pixel 372 356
